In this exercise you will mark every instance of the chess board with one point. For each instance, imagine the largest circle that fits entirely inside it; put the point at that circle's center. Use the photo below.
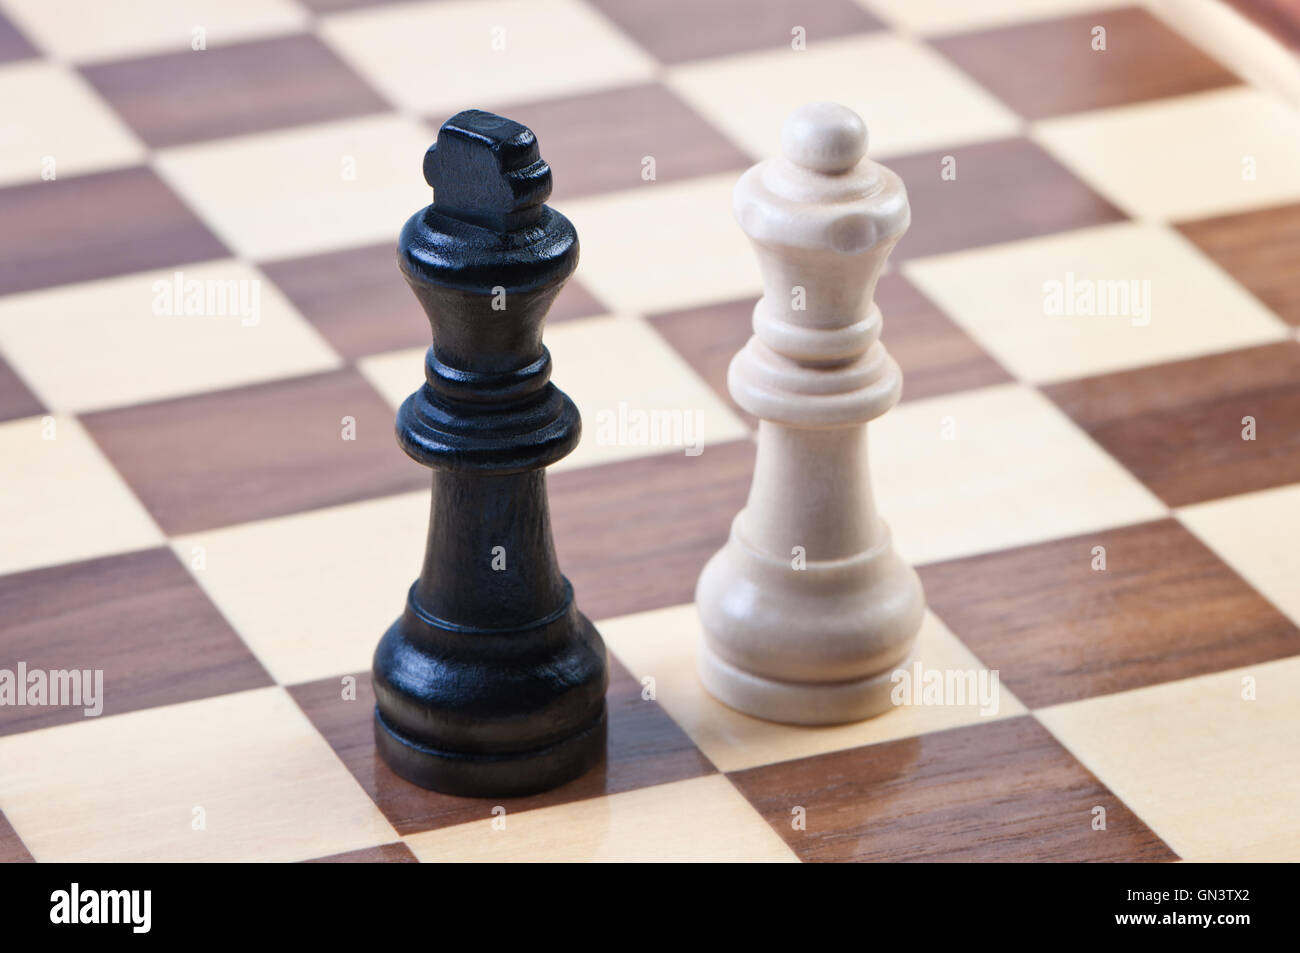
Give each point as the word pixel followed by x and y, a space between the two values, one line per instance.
pixel 1103 504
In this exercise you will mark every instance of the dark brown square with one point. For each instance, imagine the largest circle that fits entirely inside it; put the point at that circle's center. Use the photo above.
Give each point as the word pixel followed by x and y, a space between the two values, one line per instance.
pixel 139 617
pixel 255 452
pixel 632 536
pixel 1261 249
pixel 13 45
pixel 357 298
pixel 679 30
pixel 991 192
pixel 1280 18
pixel 1049 67
pixel 96 226
pixel 359 301
pixel 708 337
pixel 645 748
pixel 12 849
pixel 15 399
pixel 1060 630
pixel 1002 791
pixel 397 853
pixel 1179 427
pixel 230 90
pixel 331 6
pixel 599 142
pixel 936 356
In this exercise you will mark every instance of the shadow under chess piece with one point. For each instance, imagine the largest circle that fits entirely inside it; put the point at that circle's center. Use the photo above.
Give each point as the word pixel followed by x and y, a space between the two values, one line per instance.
pixel 491 683
pixel 807 609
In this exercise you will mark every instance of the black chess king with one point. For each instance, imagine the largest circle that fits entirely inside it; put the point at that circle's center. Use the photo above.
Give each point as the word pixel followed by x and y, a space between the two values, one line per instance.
pixel 491 683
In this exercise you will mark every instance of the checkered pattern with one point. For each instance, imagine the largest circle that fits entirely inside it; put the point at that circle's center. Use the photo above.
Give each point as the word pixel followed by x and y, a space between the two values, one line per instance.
pixel 181 510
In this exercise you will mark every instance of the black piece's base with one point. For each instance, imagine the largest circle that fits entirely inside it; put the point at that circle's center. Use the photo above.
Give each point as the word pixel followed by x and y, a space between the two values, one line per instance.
pixel 515 774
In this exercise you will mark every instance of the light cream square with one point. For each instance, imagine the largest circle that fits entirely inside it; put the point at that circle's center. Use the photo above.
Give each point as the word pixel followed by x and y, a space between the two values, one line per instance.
pixel 1094 301
pixel 157 334
pixel 312 189
pixel 662 246
pixel 703 819
pixel 1210 770
pixel 487 51
pixel 62 500
pixel 910 97
pixel 248 767
pixel 312 593
pixel 56 125
pixel 983 470
pixel 89 31
pixel 1255 534
pixel 637 396
pixel 661 645
pixel 1229 150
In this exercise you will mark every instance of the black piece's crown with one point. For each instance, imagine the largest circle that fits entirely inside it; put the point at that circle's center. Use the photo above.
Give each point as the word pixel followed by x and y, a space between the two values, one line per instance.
pixel 486 260
pixel 486 170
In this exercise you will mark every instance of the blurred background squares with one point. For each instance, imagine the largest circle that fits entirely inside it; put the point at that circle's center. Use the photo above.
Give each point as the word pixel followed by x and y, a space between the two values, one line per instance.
pixel 55 124
pixel 488 51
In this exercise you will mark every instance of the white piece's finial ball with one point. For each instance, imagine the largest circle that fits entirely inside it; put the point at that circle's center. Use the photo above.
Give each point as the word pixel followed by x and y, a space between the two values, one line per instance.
pixel 824 137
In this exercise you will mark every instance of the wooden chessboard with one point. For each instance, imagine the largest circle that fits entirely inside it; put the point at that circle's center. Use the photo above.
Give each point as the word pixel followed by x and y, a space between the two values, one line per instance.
pixel 181 510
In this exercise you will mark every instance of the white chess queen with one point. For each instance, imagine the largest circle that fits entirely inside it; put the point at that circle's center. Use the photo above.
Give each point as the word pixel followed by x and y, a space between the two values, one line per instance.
pixel 807 609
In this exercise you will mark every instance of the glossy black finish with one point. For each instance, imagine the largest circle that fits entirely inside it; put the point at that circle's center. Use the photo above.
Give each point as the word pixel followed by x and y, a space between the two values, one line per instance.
pixel 491 683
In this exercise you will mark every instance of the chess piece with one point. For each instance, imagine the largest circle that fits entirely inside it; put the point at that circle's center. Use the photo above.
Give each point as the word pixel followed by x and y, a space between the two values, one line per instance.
pixel 807 609
pixel 491 683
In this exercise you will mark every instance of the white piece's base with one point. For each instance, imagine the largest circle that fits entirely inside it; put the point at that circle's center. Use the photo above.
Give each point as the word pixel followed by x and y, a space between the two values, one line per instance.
pixel 796 703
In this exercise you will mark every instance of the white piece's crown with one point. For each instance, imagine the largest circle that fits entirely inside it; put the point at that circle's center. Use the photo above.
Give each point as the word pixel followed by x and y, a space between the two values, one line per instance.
pixel 823 218
pixel 824 137
pixel 823 192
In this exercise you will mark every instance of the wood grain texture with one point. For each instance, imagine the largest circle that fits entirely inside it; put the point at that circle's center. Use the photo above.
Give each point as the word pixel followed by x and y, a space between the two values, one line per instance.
pixel 1164 608
pixel 397 853
pixel 139 617
pixel 1002 191
pixel 1261 249
pixel 645 748
pixel 1049 67
pixel 632 536
pixel 635 535
pixel 96 226
pixel 244 87
pixel 679 30
pixel 12 849
pixel 357 299
pixel 1178 427
pixel 256 452
pixel 937 357
pixel 597 142
pixel 1003 791
pixel 708 337
pixel 16 400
